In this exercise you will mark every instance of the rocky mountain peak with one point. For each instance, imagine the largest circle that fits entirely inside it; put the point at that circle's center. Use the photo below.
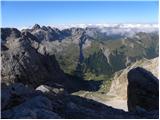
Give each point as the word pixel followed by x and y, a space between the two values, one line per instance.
pixel 21 61
pixel 44 28
pixel 9 33
pixel 52 73
pixel 36 26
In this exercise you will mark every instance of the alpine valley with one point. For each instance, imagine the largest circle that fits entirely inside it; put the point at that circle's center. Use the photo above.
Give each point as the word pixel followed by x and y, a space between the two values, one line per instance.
pixel 80 71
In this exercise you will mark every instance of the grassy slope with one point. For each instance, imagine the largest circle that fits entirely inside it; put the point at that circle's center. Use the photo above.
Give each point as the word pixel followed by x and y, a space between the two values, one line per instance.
pixel 95 65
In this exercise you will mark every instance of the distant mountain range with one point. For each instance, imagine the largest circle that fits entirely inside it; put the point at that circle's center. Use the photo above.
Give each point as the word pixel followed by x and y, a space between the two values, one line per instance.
pixel 78 60
pixel 109 29
pixel 93 51
pixel 121 25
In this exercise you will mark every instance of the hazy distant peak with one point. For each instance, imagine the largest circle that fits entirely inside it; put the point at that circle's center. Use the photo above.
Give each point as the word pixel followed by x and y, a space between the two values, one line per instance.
pixel 36 26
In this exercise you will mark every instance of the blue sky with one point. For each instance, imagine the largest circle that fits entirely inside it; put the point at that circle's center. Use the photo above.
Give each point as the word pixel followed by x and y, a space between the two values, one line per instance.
pixel 20 14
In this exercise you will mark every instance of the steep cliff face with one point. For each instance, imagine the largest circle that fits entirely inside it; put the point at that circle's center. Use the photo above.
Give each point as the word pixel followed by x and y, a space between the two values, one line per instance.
pixel 23 63
pixel 119 84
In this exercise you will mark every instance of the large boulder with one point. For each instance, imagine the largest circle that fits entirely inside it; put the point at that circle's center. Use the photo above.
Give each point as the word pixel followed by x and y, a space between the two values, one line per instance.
pixel 143 90
pixel 15 94
pixel 50 90
pixel 37 107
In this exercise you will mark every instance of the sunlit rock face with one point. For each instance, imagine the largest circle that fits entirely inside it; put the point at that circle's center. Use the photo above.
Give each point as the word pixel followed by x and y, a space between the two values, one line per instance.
pixel 23 63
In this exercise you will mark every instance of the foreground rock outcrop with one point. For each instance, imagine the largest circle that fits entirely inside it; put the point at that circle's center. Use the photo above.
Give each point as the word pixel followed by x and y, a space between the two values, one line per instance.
pixel 19 101
pixel 50 105
pixel 119 84
pixel 143 90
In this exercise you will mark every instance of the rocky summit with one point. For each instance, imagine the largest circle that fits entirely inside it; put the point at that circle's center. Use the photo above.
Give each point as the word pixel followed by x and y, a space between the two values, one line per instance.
pixel 86 73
